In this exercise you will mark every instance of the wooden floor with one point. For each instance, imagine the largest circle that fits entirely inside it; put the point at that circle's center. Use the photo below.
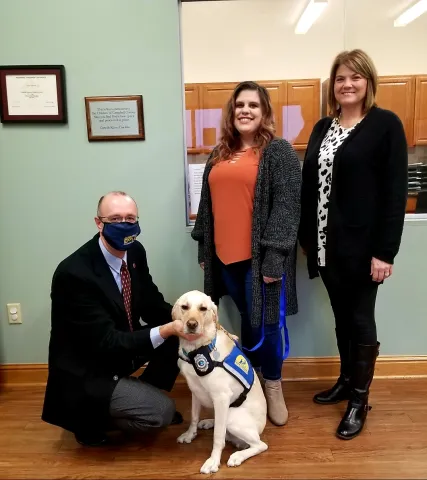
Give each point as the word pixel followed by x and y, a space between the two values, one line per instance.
pixel 392 446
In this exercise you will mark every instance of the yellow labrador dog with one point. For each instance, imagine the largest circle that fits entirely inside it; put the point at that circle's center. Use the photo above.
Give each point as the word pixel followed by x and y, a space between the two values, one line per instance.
pixel 219 377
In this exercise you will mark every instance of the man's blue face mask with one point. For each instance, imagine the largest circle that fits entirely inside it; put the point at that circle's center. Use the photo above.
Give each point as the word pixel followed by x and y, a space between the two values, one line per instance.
pixel 121 235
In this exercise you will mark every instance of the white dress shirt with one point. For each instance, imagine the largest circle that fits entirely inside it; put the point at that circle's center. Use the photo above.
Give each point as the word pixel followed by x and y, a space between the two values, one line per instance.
pixel 115 265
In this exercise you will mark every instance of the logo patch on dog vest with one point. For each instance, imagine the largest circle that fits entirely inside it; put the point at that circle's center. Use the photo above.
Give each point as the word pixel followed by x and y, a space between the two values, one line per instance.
pixel 242 363
pixel 239 366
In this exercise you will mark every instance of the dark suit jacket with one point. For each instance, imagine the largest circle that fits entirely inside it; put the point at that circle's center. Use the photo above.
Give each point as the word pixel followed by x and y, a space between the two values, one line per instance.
pixel 91 345
pixel 368 194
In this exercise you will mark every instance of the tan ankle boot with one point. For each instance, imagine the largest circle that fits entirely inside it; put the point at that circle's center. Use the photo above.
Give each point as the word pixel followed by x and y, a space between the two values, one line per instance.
pixel 276 406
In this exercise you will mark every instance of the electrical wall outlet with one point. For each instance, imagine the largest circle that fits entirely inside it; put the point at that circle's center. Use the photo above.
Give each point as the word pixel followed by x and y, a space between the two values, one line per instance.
pixel 14 313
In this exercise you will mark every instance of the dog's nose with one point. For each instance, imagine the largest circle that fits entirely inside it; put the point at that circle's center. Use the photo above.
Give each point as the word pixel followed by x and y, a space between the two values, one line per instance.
pixel 192 324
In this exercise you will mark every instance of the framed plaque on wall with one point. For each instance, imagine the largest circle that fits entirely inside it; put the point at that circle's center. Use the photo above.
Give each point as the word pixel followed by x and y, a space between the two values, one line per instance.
pixel 115 118
pixel 33 94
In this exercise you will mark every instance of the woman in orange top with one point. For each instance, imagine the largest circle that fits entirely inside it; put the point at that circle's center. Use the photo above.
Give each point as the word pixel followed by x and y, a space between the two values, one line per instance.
pixel 247 227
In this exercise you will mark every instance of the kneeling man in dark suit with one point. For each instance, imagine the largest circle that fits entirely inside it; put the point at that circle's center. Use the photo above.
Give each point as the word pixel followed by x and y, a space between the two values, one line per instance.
pixel 99 294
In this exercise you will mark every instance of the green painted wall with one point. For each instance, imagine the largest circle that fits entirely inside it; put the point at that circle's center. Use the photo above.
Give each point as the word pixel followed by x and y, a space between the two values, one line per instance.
pixel 51 177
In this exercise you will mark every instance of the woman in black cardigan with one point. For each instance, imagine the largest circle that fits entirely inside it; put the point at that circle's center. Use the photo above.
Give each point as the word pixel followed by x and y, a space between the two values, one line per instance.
pixel 353 208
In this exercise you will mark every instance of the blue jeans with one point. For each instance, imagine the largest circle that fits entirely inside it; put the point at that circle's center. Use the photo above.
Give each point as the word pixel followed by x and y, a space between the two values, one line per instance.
pixel 237 278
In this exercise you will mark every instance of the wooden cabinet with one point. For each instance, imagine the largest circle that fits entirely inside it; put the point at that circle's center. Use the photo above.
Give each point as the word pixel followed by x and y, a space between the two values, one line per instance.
pixel 214 98
pixel 204 103
pixel 192 102
pixel 302 111
pixel 420 120
pixel 277 91
pixel 398 95
pixel 296 108
pixel 406 96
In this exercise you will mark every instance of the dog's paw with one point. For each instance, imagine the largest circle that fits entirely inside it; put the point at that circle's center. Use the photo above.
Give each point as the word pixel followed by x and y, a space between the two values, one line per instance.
pixel 210 466
pixel 206 424
pixel 187 437
pixel 236 459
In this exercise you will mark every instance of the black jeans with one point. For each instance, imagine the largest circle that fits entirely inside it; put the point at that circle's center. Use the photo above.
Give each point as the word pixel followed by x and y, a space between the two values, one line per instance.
pixel 353 303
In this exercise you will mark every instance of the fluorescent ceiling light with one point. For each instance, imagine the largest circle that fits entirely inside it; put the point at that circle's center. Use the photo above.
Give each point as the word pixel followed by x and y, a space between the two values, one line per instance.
pixel 310 15
pixel 411 14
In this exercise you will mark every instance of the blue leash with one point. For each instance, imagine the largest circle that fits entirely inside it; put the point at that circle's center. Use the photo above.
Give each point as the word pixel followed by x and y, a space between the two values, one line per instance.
pixel 282 321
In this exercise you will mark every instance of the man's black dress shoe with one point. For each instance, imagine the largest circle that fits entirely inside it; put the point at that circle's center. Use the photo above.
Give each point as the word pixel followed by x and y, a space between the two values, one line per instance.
pixel 177 419
pixel 91 439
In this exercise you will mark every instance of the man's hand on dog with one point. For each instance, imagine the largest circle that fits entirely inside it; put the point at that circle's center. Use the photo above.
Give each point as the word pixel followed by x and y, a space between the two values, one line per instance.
pixel 177 328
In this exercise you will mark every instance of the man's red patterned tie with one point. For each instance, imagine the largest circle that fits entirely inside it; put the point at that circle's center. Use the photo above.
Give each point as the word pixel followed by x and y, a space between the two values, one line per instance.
pixel 126 290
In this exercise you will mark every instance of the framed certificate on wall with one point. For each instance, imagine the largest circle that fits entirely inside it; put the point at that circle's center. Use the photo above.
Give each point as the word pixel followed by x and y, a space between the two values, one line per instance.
pixel 31 94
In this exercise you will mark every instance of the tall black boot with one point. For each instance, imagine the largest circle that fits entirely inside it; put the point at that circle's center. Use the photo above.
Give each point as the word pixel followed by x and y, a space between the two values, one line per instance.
pixel 341 390
pixel 362 374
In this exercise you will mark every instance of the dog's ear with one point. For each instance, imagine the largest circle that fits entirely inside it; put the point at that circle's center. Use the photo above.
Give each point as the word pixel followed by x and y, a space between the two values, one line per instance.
pixel 175 312
pixel 214 310
pixel 176 309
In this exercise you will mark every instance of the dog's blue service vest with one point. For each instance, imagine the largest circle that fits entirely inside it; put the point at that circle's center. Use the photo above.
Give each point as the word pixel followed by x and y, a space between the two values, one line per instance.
pixel 236 363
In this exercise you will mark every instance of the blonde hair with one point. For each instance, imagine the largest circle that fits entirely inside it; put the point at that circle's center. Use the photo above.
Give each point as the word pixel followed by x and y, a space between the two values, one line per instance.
pixel 360 62
pixel 229 142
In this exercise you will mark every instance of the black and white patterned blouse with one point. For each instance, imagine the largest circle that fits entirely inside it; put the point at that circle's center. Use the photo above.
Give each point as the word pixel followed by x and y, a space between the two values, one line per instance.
pixel 334 137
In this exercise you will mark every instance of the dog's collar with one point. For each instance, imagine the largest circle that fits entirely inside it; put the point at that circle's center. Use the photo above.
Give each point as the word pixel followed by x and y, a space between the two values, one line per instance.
pixel 211 346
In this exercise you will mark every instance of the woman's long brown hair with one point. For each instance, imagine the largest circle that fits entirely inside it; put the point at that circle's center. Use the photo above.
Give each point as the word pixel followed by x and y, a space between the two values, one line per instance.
pixel 229 142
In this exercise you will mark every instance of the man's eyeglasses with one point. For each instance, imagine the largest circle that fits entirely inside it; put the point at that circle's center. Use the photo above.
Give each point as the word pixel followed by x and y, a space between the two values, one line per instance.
pixel 119 219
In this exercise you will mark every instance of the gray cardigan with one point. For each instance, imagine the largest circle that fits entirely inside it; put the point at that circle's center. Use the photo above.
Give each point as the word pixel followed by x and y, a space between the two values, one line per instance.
pixel 276 216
